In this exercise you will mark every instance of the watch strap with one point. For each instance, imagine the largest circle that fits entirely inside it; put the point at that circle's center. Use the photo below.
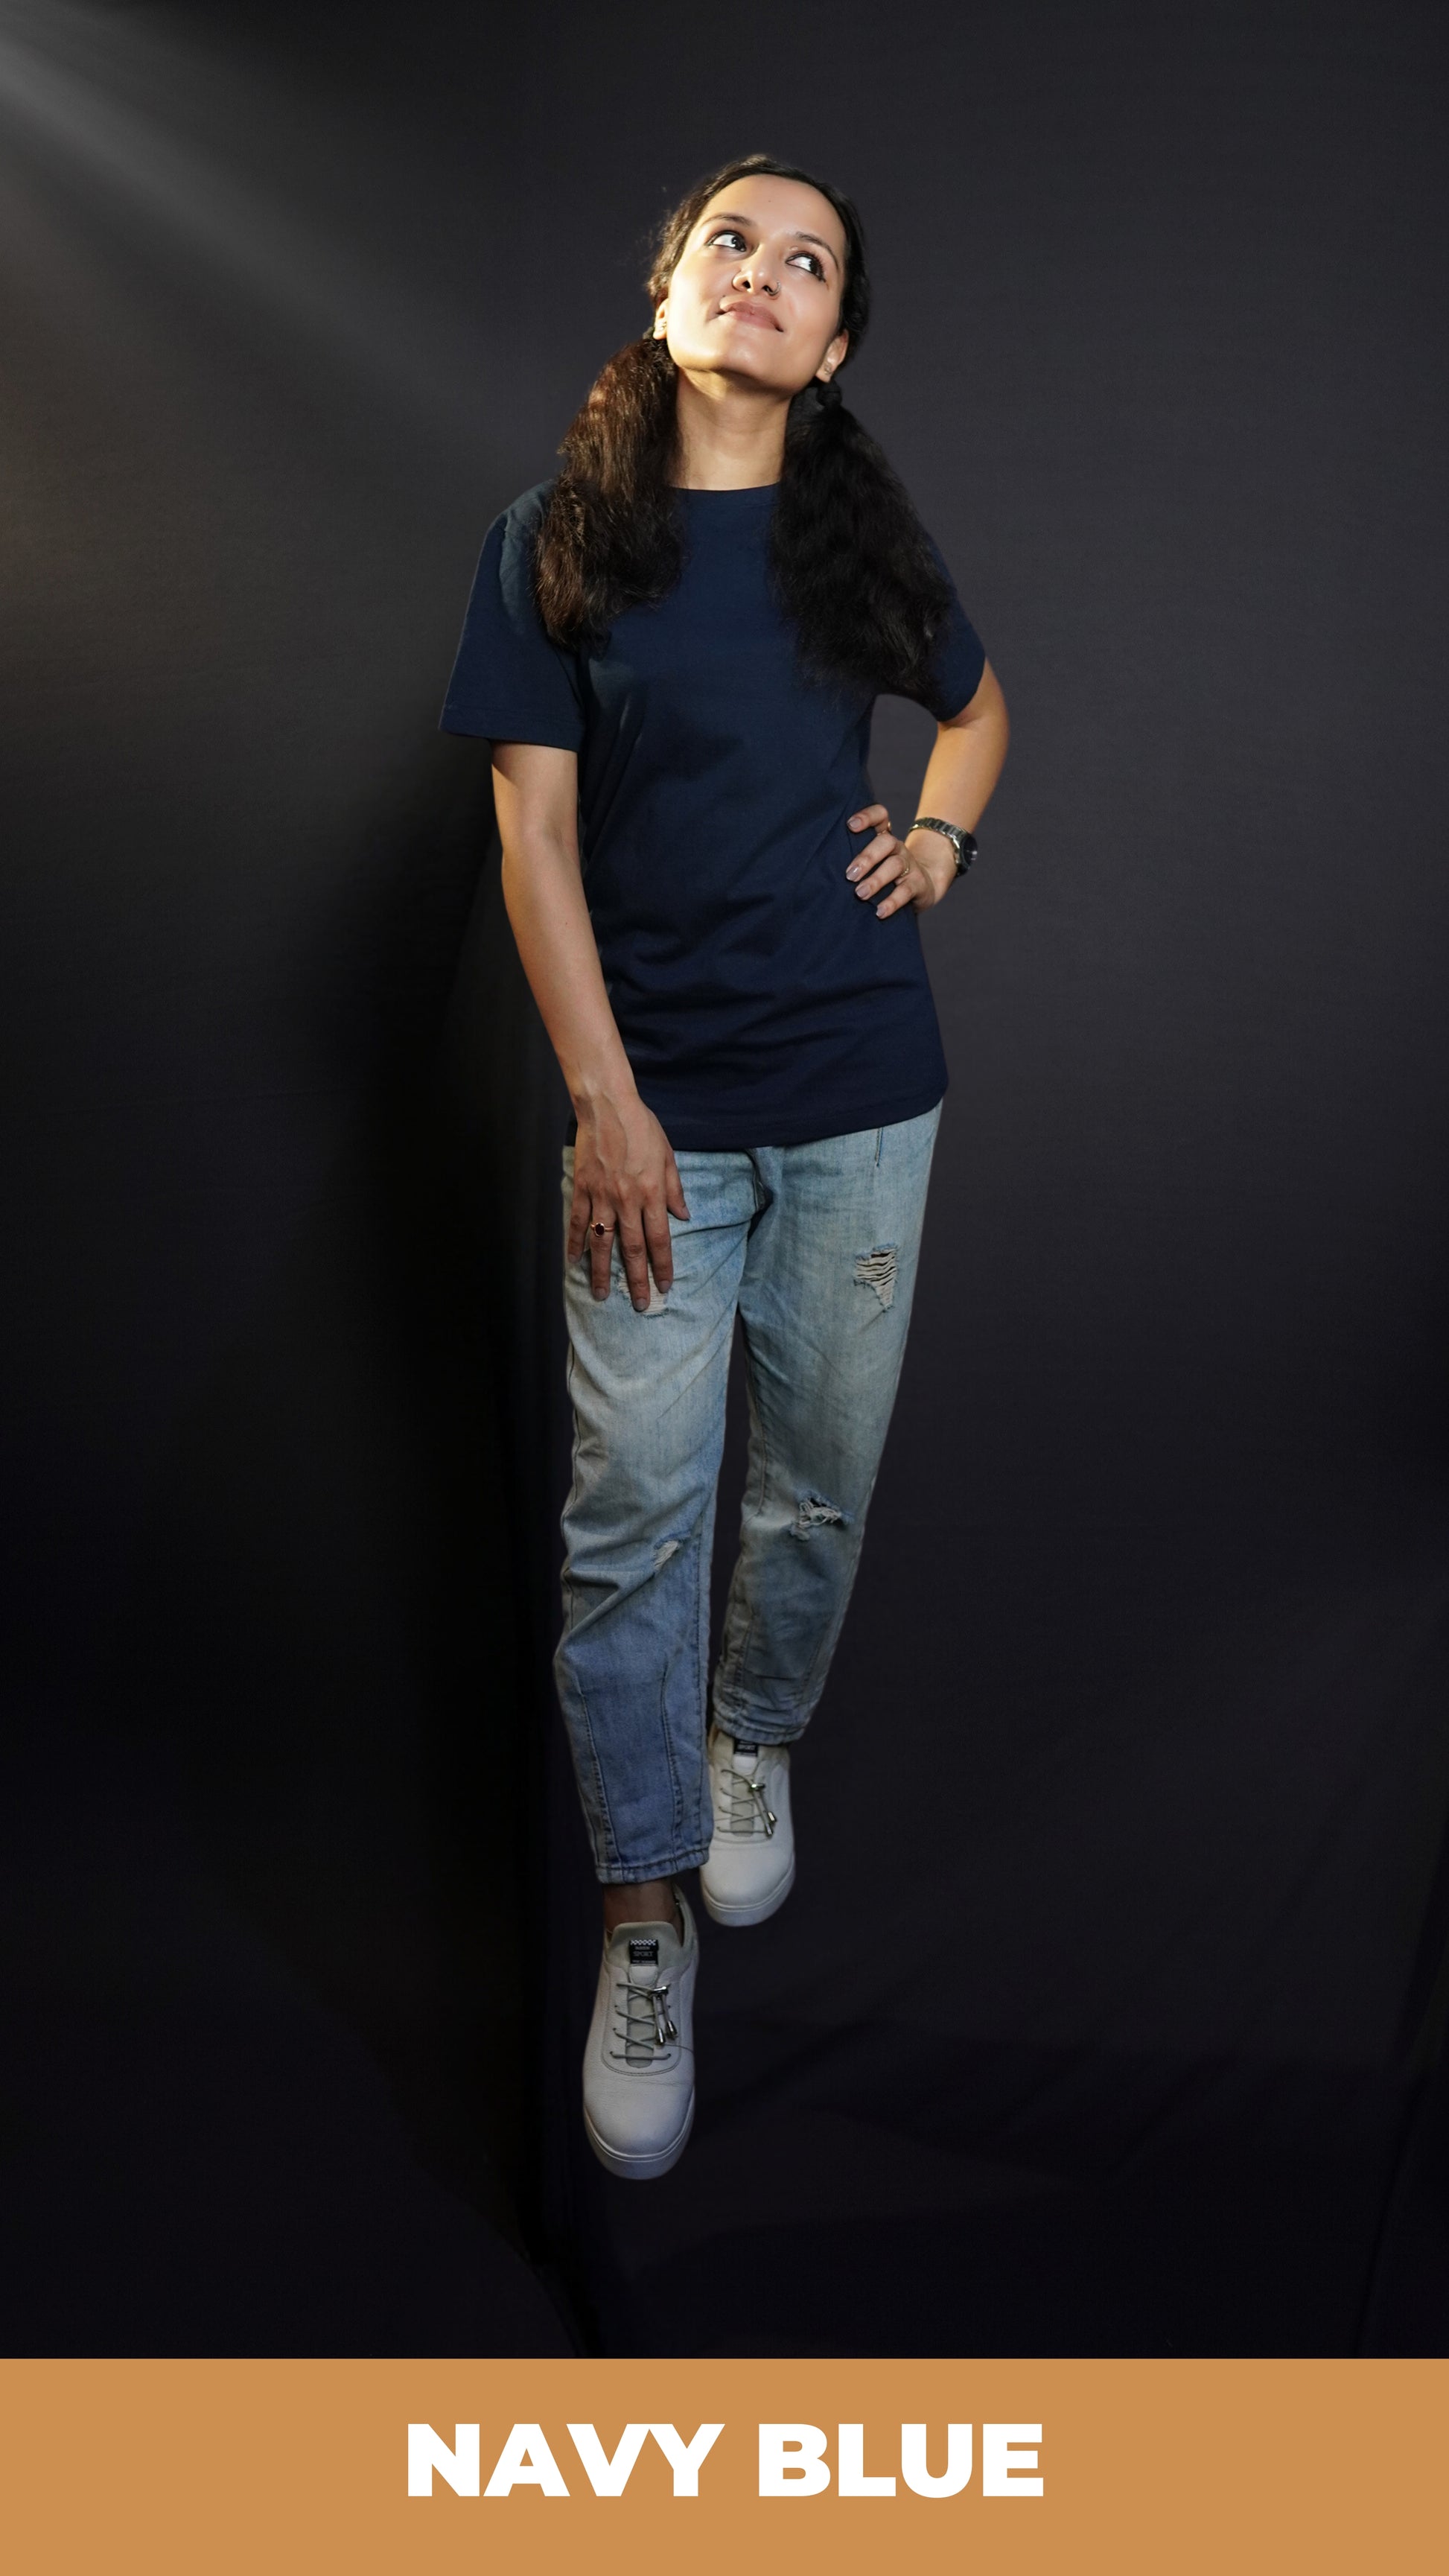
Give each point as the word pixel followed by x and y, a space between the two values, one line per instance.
pixel 962 842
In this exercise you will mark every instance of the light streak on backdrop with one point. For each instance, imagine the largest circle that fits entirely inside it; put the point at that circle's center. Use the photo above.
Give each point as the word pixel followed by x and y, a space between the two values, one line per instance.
pixel 108 107
pixel 251 437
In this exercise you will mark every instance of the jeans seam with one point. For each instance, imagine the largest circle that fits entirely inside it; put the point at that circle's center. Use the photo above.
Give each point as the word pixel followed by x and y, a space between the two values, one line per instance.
pixel 742 1659
pixel 819 1672
pixel 602 1833
pixel 606 1835
pixel 673 1768
pixel 700 1693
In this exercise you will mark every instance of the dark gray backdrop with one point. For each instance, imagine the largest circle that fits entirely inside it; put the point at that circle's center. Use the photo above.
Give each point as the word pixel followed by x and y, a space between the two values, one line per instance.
pixel 1106 2013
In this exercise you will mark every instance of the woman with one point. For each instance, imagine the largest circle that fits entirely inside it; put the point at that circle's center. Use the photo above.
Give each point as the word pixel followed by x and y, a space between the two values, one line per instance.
pixel 674 650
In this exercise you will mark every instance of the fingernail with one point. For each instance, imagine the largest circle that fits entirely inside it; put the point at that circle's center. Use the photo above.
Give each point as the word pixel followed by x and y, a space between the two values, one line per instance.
pixel 852 873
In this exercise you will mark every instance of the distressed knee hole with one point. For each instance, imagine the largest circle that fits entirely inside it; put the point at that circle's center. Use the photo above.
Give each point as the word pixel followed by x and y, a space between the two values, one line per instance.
pixel 658 1302
pixel 815 1513
pixel 662 1554
pixel 877 1270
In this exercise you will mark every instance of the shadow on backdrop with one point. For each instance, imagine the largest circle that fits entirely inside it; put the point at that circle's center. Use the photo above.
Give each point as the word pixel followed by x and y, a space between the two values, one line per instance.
pixel 290 2102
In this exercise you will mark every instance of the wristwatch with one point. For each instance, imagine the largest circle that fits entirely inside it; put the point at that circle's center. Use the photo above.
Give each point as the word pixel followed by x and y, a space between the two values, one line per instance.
pixel 962 842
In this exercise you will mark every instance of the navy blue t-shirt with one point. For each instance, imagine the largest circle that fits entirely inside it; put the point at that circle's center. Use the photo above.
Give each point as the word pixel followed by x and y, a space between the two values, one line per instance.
pixel 760 1002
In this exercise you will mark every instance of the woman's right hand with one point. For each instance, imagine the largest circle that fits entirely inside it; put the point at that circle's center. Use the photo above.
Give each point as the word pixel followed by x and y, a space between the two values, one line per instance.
pixel 627 1181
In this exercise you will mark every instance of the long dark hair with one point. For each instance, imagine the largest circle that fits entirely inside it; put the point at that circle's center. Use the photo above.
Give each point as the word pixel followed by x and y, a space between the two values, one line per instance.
pixel 851 562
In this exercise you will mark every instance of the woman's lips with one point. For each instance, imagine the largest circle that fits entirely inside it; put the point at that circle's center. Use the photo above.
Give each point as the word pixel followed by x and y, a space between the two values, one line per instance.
pixel 755 313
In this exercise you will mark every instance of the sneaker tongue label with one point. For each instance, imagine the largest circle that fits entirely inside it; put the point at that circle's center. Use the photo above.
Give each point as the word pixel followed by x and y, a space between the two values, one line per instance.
pixel 750 1749
pixel 643 1954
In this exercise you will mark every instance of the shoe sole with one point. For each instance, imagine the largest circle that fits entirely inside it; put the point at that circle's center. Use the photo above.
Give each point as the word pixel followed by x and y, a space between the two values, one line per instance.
pixel 739 1918
pixel 626 2168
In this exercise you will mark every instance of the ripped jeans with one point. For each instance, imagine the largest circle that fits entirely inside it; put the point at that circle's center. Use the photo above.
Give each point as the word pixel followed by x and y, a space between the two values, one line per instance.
pixel 814 1246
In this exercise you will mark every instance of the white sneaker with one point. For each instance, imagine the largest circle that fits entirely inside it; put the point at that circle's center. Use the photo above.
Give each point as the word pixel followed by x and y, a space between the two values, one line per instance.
pixel 751 1865
pixel 639 2062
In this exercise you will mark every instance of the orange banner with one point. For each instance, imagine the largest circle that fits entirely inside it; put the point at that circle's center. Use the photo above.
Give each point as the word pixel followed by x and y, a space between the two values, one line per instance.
pixel 265 2467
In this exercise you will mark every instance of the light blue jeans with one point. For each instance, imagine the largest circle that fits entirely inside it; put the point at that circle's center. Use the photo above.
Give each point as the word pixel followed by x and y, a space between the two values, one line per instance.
pixel 815 1248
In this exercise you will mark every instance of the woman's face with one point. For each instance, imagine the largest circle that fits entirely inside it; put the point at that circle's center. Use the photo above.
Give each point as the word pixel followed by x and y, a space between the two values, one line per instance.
pixel 756 294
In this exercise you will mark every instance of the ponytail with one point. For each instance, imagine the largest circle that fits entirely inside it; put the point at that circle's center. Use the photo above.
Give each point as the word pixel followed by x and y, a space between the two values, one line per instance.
pixel 852 563
pixel 610 537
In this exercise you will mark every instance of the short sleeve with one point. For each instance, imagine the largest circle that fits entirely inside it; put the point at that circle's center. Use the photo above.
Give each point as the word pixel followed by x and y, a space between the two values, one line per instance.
pixel 957 661
pixel 509 682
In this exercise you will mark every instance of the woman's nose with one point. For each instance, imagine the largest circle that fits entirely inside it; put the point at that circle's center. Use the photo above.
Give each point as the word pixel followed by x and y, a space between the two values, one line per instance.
pixel 755 274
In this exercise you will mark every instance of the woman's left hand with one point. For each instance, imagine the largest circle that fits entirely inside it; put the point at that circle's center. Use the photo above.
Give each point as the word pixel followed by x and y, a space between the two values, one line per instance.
pixel 887 867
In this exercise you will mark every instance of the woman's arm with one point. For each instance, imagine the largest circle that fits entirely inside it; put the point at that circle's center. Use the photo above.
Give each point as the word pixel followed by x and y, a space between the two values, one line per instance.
pixel 625 1175
pixel 960 775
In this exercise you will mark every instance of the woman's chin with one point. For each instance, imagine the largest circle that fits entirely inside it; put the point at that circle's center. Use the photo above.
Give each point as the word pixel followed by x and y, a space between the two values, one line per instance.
pixel 736 368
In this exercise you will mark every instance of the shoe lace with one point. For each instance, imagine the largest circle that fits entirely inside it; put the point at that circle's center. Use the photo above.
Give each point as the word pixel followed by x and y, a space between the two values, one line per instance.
pixel 747 1803
pixel 646 2023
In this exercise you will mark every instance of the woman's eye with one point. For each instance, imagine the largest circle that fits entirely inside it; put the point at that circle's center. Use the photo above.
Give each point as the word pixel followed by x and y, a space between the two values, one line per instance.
pixel 812 263
pixel 729 237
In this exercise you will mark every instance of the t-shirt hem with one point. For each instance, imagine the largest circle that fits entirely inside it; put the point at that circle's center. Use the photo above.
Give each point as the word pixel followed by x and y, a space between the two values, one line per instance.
pixel 717 1130
pixel 527 729
pixel 959 687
